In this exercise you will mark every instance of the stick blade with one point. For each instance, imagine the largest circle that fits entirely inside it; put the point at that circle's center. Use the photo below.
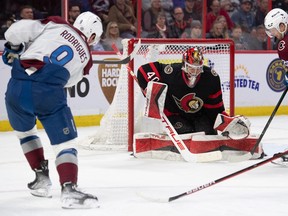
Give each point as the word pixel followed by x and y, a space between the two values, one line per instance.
pixel 209 156
pixel 239 158
pixel 153 198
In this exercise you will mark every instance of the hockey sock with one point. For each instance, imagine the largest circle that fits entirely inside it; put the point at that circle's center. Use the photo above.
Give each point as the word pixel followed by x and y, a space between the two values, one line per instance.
pixel 33 150
pixel 67 165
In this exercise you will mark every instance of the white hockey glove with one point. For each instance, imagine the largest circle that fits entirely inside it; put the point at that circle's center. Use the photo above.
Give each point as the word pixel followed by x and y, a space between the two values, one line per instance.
pixel 11 52
pixel 237 127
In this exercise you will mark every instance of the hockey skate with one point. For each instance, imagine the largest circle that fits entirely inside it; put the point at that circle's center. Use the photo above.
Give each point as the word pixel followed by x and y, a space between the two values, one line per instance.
pixel 72 198
pixel 282 161
pixel 41 186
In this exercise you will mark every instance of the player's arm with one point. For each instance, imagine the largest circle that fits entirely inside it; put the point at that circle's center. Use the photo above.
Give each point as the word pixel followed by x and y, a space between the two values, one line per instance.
pixel 19 33
pixel 23 31
pixel 214 104
pixel 149 72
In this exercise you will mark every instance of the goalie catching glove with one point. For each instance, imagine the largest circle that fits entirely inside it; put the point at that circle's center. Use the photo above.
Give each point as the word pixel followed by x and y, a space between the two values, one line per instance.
pixel 11 52
pixel 237 127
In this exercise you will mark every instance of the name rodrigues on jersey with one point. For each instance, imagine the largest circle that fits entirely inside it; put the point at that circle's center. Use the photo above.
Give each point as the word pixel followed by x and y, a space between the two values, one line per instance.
pixel 75 43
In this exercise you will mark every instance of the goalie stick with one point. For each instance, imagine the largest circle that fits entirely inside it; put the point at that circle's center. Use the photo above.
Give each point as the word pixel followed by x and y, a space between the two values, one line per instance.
pixel 176 139
pixel 209 184
pixel 247 156
pixel 125 60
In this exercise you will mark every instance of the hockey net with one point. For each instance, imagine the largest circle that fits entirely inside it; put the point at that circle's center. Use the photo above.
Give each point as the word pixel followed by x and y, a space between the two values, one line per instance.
pixel 125 114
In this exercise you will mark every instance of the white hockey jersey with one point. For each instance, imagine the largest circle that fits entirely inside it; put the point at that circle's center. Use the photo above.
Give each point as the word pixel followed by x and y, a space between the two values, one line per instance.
pixel 52 40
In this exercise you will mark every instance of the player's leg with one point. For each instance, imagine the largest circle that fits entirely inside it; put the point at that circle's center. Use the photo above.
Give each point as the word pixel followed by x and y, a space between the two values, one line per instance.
pixel 58 122
pixel 22 119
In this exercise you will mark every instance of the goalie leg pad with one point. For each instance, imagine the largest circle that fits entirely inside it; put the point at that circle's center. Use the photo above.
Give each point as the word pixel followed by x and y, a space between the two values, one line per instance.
pixel 158 146
pixel 206 143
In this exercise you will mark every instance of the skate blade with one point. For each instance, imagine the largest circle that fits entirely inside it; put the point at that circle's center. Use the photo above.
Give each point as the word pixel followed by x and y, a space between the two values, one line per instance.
pixel 41 193
pixel 74 204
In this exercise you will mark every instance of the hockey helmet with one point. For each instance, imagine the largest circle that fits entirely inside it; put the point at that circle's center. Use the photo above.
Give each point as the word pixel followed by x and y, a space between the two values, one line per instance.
pixel 89 24
pixel 272 21
pixel 192 64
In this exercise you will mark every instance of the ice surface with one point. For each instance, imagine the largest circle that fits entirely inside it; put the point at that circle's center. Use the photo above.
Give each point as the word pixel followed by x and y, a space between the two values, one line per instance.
pixel 117 177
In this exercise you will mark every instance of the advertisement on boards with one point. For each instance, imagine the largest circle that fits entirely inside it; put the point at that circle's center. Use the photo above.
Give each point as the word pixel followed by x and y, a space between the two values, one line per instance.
pixel 258 83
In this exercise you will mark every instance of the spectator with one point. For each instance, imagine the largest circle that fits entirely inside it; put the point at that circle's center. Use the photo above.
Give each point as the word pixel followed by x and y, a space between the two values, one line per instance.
pixel 161 28
pixel 214 13
pixel 167 6
pixel 146 4
pixel 244 16
pixel 190 13
pixel 8 22
pixel 179 3
pixel 123 14
pixel 112 37
pixel 101 9
pixel 226 31
pixel 195 31
pixel 150 18
pixel 217 31
pixel 179 25
pixel 227 6
pixel 259 42
pixel 26 12
pixel 261 11
pixel 238 38
pixel 74 12
pixel 283 4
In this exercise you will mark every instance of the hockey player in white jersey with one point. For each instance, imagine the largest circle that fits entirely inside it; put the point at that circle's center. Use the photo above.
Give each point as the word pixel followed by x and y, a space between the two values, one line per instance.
pixel 46 56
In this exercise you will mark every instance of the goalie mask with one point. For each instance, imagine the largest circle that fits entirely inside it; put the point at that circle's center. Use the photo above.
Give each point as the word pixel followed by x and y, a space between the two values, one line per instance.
pixel 90 25
pixel 192 65
pixel 273 20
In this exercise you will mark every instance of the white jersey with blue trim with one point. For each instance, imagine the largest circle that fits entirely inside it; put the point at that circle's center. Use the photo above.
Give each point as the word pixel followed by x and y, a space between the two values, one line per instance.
pixel 53 40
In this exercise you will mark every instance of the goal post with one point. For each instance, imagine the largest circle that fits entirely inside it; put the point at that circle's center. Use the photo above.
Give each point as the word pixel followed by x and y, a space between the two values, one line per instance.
pixel 125 115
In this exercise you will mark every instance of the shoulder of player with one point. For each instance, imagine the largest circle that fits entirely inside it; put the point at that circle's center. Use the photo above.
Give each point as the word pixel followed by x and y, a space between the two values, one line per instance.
pixel 283 48
pixel 55 19
pixel 209 71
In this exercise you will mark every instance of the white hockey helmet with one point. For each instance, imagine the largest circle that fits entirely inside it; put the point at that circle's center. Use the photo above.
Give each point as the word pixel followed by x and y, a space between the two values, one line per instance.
pixel 272 21
pixel 89 23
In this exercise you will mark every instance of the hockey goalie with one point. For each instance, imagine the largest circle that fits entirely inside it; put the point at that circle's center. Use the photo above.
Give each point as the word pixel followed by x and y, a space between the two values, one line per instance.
pixel 192 102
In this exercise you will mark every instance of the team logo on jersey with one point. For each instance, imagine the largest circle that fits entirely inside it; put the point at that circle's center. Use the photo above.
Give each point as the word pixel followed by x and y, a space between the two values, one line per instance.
pixel 168 69
pixel 189 103
pixel 214 73
pixel 275 75
pixel 281 45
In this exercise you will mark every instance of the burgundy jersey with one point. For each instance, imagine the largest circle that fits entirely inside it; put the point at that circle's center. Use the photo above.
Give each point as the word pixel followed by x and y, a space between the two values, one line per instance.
pixel 205 98
pixel 283 49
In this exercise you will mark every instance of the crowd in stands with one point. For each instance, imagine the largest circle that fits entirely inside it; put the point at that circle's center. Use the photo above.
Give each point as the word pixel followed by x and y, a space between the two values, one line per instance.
pixel 239 20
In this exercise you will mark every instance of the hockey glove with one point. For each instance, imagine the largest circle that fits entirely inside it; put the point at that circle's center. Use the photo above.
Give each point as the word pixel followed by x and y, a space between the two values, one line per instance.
pixel 11 52
pixel 237 127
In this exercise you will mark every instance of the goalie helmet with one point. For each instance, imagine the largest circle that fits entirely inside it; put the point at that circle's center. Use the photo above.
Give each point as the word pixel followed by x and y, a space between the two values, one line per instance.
pixel 273 20
pixel 89 24
pixel 192 64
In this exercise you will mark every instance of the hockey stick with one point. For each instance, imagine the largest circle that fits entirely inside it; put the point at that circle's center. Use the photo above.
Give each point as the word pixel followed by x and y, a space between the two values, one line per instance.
pixel 209 184
pixel 176 139
pixel 247 156
pixel 125 60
